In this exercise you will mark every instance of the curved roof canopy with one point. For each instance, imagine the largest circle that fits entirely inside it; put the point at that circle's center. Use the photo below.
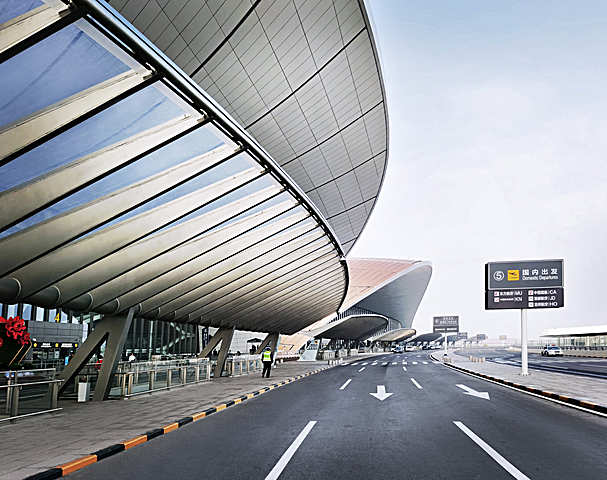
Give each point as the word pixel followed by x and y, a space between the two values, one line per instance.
pixel 396 335
pixel 303 78
pixel 393 288
pixel 425 337
pixel 353 327
pixel 129 187
pixel 387 288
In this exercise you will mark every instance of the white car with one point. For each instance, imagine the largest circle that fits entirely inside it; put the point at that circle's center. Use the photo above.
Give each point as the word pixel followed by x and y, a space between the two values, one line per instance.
pixel 552 351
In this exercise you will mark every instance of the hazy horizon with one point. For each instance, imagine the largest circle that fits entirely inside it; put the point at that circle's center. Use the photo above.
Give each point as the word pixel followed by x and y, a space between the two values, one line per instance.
pixel 496 151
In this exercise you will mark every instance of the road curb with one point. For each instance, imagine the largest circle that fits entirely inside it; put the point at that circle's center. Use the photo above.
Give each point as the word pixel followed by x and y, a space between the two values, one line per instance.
pixel 564 399
pixel 77 464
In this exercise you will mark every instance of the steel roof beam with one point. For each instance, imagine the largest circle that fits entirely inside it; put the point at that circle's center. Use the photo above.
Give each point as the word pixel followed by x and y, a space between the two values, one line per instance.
pixel 236 291
pixel 31 27
pixel 301 298
pixel 291 318
pixel 180 280
pixel 27 133
pixel 305 302
pixel 167 261
pixel 145 250
pixel 279 283
pixel 197 288
pixel 37 240
pixel 24 200
pixel 84 253
pixel 285 295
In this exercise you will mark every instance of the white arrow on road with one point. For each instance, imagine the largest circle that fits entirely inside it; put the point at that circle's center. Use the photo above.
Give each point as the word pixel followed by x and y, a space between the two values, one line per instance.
pixel 381 394
pixel 474 393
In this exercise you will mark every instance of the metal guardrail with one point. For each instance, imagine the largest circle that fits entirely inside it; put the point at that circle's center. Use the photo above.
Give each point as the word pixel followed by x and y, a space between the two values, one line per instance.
pixel 19 398
pixel 141 378
pixel 243 365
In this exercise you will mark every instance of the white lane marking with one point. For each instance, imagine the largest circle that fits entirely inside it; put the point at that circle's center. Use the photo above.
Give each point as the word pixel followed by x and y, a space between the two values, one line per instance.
pixel 414 363
pixel 366 363
pixel 343 387
pixel 381 394
pixel 282 463
pixel 354 364
pixel 505 464
pixel 425 363
pixel 474 393
pixel 405 369
pixel 434 361
pixel 416 384
pixel 374 363
pixel 385 363
pixel 404 363
pixel 360 370
pixel 394 363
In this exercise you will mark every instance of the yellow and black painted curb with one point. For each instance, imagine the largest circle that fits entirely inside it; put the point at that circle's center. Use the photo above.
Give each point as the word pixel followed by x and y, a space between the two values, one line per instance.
pixel 576 402
pixel 66 468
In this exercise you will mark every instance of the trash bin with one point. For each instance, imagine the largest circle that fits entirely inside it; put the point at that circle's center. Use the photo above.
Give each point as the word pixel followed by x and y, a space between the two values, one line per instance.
pixel 84 389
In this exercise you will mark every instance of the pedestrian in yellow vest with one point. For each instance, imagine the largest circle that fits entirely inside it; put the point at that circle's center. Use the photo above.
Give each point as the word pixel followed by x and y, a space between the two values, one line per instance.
pixel 266 358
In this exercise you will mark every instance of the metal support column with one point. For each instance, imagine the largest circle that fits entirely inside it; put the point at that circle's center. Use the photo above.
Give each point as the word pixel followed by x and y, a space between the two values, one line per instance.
pixel 110 329
pixel 223 335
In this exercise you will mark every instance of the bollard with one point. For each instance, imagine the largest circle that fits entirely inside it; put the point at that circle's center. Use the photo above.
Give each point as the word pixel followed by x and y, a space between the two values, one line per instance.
pixel 129 388
pixel 184 375
pixel 122 385
pixel 136 374
pixel 53 394
pixel 169 377
pixel 197 373
pixel 14 394
pixel 151 379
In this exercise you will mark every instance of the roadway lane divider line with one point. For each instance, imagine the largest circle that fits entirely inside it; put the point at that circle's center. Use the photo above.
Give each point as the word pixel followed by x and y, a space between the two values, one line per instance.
pixel 343 387
pixel 361 369
pixel 74 465
pixel 571 402
pixel 404 368
pixel 394 363
pixel 425 363
pixel 505 464
pixel 286 457
pixel 414 363
pixel 415 383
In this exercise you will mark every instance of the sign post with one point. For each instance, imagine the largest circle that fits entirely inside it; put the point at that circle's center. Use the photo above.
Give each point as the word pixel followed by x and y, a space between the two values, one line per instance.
pixel 524 369
pixel 524 285
pixel 446 324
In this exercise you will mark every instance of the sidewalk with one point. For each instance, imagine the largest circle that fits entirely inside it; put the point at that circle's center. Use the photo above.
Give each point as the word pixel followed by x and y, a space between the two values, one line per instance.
pixel 593 390
pixel 45 441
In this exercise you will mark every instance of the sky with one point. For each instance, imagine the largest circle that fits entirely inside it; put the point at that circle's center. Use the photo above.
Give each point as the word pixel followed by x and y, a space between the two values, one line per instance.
pixel 497 151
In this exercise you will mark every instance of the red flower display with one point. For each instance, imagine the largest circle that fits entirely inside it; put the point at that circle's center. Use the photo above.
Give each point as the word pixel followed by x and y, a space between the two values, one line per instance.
pixel 15 329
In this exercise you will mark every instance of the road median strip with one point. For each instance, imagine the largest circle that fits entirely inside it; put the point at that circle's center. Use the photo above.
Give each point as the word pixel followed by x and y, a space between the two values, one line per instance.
pixel 564 399
pixel 74 465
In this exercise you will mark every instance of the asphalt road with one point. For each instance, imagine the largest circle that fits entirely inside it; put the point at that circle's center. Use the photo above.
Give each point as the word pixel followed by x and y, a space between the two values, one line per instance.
pixel 591 367
pixel 410 434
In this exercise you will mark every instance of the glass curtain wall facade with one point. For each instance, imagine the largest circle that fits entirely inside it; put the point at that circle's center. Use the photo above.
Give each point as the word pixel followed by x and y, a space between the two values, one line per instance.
pixel 146 338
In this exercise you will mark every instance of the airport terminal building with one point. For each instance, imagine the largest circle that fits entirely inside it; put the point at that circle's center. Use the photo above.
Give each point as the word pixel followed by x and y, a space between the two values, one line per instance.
pixel 173 166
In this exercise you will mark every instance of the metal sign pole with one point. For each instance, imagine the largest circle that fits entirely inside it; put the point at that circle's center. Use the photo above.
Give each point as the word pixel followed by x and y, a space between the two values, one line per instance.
pixel 524 369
